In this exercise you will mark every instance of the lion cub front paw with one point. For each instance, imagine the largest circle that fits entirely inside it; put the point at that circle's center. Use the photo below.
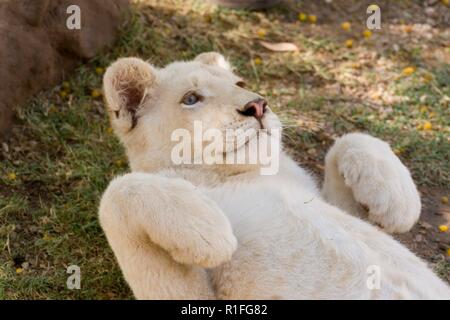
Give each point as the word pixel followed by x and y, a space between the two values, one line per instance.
pixel 381 183
pixel 205 237
pixel 208 248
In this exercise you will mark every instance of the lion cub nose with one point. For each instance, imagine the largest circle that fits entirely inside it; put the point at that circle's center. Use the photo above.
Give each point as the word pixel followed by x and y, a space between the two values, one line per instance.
pixel 255 108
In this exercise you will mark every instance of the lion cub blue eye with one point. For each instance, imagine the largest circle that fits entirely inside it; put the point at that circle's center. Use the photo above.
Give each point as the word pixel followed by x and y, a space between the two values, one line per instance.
pixel 240 84
pixel 191 98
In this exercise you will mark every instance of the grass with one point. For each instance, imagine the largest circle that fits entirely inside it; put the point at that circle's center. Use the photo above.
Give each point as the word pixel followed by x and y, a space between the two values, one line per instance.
pixel 62 154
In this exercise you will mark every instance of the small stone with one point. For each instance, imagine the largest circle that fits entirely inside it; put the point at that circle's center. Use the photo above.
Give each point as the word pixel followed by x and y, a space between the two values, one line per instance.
pixel 426 225
pixel 430 11
pixel 312 151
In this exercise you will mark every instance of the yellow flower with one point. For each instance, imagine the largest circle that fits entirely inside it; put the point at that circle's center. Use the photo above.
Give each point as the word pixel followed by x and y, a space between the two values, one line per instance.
pixel 373 7
pixel 19 270
pixel 207 18
pixel 99 70
pixel 427 77
pixel 346 26
pixel 443 228
pixel 63 93
pixel 66 85
pixel 398 151
pixel 349 43
pixel 257 61
pixel 302 16
pixel 52 109
pixel 95 93
pixel 448 252
pixel 12 176
pixel 408 71
pixel 312 18
pixel 423 109
pixel 109 130
pixel 408 29
pixel 261 33
pixel 427 126
pixel 444 200
pixel 119 163
pixel 47 237
pixel 367 33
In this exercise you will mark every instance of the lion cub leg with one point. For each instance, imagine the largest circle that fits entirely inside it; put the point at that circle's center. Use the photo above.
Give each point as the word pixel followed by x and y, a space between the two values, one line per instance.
pixel 164 233
pixel 362 173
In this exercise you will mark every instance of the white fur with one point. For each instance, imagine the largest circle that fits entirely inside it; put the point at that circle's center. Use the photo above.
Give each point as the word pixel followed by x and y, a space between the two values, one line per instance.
pixel 225 231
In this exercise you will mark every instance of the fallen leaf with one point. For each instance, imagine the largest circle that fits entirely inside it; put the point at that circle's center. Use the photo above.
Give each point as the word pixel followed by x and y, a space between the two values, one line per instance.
pixel 280 46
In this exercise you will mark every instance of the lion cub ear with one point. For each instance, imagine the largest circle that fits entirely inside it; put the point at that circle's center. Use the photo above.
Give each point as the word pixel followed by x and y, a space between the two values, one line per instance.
pixel 127 84
pixel 213 59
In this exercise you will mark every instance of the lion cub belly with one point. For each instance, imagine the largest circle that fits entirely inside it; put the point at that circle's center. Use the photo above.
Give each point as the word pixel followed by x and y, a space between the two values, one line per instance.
pixel 292 245
pixel 280 254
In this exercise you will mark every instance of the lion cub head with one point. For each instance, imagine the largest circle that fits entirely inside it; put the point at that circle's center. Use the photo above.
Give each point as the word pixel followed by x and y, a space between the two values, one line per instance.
pixel 178 112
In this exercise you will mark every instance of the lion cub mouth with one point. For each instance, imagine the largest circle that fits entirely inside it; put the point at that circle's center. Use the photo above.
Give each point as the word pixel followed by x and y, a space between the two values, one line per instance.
pixel 256 130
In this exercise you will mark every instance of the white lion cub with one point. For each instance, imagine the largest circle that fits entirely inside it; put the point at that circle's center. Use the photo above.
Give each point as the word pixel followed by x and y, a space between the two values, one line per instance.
pixel 224 231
